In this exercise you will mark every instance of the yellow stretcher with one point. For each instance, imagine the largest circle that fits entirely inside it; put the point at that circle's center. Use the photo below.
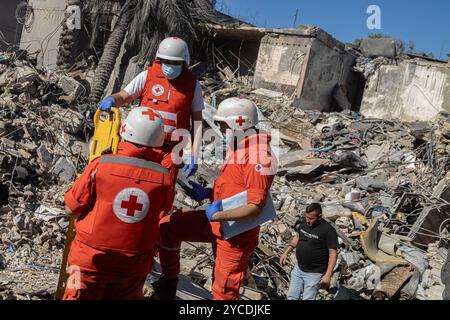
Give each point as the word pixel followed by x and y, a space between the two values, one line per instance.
pixel 106 138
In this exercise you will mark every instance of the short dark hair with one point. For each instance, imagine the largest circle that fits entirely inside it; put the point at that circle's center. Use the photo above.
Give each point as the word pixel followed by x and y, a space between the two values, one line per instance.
pixel 314 207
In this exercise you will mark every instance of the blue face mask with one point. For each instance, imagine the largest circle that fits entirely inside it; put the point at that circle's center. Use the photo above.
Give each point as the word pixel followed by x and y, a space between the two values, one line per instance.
pixel 172 71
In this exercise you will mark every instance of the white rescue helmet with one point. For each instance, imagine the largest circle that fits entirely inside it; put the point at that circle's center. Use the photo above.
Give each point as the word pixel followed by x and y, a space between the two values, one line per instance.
pixel 237 113
pixel 143 126
pixel 174 49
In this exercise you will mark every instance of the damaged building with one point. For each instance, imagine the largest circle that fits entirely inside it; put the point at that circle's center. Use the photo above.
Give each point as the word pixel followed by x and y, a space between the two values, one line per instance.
pixel 349 139
pixel 412 89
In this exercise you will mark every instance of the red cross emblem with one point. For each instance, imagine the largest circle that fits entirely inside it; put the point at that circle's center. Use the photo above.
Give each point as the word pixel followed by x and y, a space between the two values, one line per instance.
pixel 132 206
pixel 258 168
pixel 151 115
pixel 240 121
pixel 123 130
pixel 158 90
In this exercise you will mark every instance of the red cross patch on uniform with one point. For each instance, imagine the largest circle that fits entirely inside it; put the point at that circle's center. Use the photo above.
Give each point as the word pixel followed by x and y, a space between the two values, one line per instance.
pixel 131 205
pixel 158 90
pixel 258 168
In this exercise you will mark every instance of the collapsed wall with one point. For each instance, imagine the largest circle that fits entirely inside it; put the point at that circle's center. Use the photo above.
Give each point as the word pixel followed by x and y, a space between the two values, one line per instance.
pixel 308 64
pixel 411 90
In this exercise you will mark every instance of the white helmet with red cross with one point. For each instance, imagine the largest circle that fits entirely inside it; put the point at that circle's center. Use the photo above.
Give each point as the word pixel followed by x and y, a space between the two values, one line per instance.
pixel 237 113
pixel 143 126
pixel 174 49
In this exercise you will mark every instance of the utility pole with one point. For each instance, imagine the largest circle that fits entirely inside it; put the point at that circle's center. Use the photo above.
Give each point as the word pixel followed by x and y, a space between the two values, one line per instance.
pixel 295 18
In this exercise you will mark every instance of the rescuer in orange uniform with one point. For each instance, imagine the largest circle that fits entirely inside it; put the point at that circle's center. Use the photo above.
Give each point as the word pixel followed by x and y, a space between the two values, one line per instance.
pixel 170 88
pixel 250 166
pixel 119 198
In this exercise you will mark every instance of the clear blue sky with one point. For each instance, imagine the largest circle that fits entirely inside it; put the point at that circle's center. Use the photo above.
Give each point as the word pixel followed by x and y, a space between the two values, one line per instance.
pixel 426 23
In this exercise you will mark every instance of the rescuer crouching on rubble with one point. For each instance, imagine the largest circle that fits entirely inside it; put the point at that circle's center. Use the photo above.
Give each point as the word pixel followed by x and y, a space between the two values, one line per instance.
pixel 119 198
pixel 249 167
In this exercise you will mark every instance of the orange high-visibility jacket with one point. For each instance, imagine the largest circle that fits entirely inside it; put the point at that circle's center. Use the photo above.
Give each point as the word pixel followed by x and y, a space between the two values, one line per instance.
pixel 120 199
pixel 171 98
pixel 250 168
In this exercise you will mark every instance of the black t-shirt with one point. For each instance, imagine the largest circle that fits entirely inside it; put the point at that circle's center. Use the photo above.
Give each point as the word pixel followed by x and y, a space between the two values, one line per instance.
pixel 312 249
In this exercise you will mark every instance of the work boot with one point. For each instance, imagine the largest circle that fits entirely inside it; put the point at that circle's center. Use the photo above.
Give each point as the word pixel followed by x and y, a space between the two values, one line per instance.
pixel 166 288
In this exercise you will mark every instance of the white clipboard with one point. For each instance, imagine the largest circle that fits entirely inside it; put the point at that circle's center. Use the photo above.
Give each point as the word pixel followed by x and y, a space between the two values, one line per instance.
pixel 231 229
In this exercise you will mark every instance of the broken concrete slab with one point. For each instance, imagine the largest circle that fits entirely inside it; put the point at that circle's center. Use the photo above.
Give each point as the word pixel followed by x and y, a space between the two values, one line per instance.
pixel 305 166
pixel 378 47
pixel 333 211
pixel 268 93
pixel 64 169
pixel 70 86
pixel 376 152
pixel 44 156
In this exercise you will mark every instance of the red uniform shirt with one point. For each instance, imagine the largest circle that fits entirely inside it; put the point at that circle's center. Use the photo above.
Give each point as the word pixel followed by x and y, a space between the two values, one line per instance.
pixel 120 199
pixel 250 168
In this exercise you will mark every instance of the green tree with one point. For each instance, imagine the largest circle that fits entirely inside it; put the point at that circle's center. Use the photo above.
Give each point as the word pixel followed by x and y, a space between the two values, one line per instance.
pixel 69 42
pixel 140 25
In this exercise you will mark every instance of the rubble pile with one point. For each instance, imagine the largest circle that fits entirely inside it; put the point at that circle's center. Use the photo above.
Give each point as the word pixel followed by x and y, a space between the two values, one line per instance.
pixel 373 177
pixel 377 181
pixel 41 149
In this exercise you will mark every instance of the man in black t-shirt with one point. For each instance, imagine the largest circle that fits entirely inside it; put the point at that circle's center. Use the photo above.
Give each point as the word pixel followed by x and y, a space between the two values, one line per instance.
pixel 316 244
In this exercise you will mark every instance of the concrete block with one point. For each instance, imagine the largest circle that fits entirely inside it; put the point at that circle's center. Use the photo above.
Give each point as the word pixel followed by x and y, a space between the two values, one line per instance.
pixel 44 156
pixel 382 47
pixel 64 169
pixel 70 86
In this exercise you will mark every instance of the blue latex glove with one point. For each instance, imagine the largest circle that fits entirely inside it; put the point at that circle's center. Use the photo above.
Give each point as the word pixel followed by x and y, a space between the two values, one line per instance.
pixel 107 103
pixel 190 167
pixel 213 208
pixel 200 193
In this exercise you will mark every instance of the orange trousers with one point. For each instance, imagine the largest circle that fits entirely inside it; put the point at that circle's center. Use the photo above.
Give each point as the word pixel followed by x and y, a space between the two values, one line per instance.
pixel 230 258
pixel 96 286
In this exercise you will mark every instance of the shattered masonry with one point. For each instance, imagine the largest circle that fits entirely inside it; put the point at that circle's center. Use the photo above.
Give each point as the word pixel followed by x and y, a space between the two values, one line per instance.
pixel 384 183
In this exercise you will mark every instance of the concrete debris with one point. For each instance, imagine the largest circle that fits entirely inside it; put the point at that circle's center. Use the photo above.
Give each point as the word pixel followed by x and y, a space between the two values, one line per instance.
pixel 70 86
pixel 64 169
pixel 40 142
pixel 383 184
pixel 378 47
pixel 372 177
pixel 368 67
pixel 44 157
pixel 268 93
pixel 2 262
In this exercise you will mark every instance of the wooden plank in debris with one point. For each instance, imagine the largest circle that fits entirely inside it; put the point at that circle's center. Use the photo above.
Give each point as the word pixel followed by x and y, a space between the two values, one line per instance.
pixel 394 280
